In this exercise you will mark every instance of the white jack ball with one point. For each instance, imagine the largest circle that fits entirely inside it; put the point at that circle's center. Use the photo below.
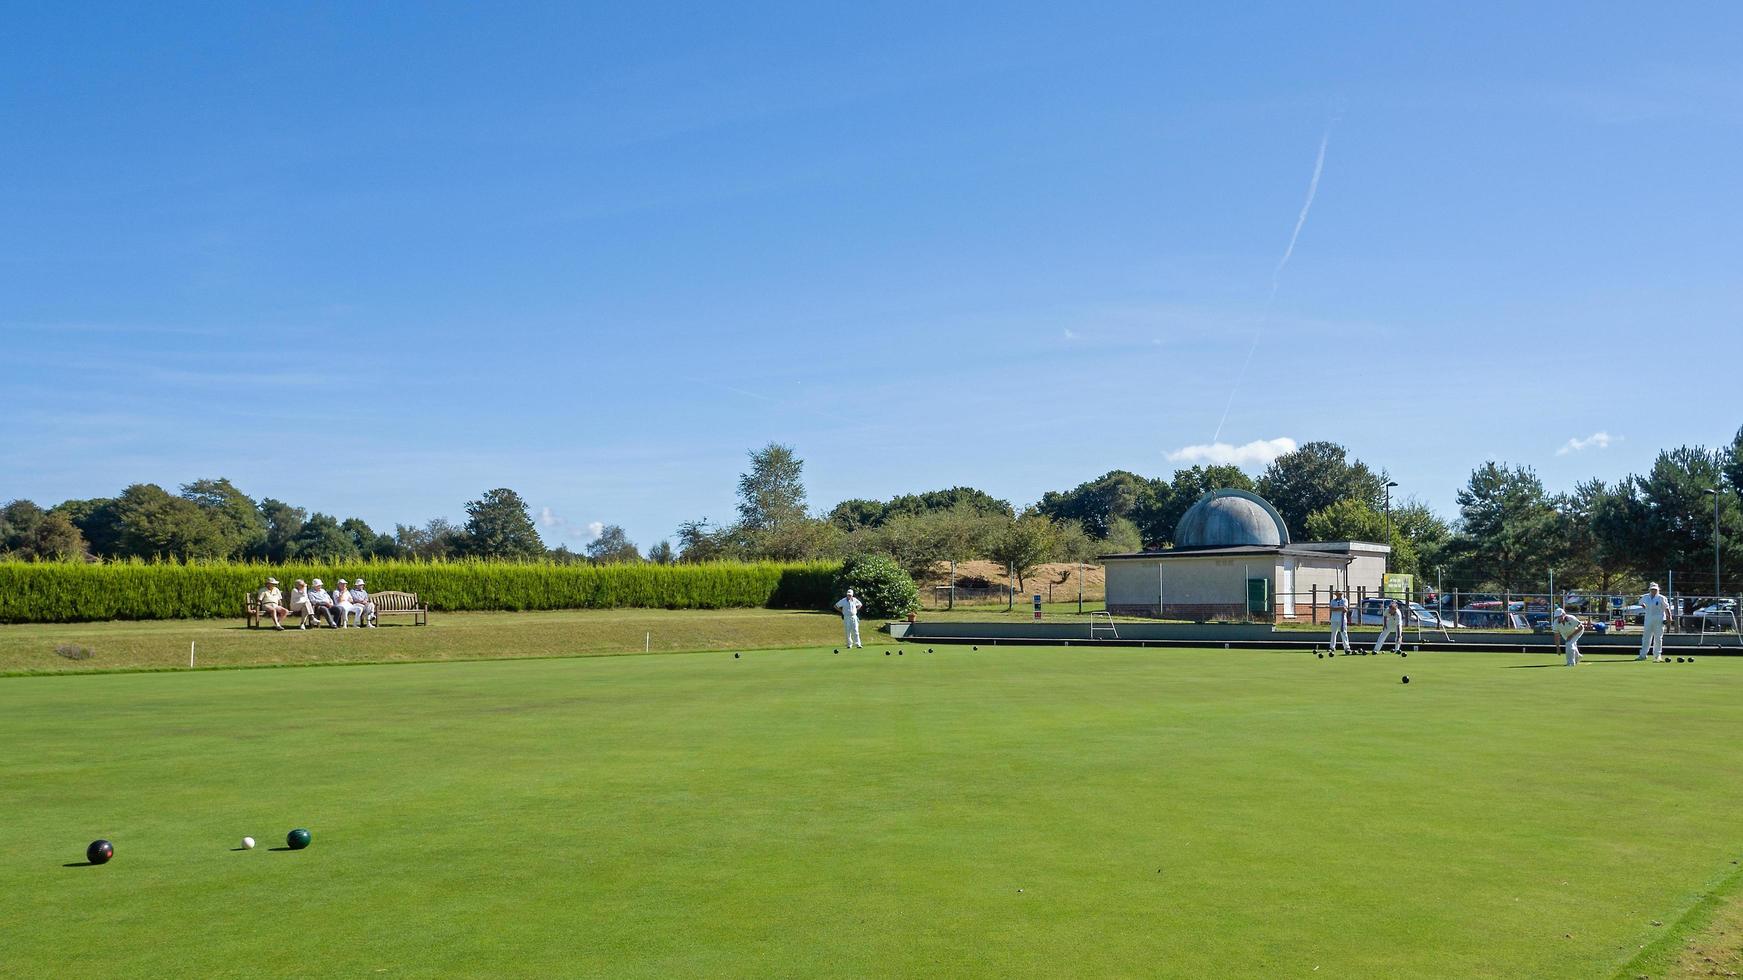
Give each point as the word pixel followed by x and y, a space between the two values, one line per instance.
pixel 248 842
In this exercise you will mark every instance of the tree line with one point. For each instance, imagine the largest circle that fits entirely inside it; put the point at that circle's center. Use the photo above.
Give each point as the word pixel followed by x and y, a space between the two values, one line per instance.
pixel 212 519
pixel 1510 532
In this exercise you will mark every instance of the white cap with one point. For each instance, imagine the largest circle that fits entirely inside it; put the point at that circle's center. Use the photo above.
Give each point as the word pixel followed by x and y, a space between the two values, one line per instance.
pixel 850 592
pixel 1559 611
pixel 1653 587
pixel 317 581
pixel 358 582
pixel 271 581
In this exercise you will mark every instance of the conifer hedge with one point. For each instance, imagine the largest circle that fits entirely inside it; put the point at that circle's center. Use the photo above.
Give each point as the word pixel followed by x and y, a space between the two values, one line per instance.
pixel 65 592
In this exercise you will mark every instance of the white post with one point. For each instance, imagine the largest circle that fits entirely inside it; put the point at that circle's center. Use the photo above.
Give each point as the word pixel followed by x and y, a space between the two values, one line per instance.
pixel 190 653
pixel 647 642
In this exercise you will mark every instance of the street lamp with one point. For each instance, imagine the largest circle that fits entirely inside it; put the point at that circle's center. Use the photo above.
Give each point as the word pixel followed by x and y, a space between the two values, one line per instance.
pixel 1715 494
pixel 1386 563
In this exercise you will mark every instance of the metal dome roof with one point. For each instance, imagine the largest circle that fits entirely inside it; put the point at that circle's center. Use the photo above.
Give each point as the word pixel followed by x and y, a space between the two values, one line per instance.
pixel 1231 518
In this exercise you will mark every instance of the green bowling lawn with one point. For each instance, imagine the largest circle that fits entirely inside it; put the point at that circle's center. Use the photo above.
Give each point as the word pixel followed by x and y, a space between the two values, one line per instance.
pixel 1010 812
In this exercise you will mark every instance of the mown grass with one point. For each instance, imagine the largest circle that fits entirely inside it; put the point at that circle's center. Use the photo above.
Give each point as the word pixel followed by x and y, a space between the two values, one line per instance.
pixel 36 648
pixel 1020 812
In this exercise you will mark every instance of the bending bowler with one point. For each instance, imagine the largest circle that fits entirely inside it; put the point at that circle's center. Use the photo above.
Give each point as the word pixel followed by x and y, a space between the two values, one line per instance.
pixel 1570 629
pixel 849 608
pixel 1654 614
pixel 1391 625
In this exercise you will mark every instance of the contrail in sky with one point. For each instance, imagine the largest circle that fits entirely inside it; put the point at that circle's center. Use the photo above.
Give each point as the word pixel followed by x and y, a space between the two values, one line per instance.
pixel 1276 278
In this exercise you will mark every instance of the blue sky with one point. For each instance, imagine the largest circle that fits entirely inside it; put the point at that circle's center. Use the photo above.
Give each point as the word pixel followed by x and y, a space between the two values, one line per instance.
pixel 375 259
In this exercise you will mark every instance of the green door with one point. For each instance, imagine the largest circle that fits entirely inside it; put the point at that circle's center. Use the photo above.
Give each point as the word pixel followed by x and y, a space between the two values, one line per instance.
pixel 1258 595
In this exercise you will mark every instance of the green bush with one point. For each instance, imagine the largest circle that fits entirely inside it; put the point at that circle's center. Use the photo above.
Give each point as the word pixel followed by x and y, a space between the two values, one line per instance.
pixel 62 592
pixel 880 583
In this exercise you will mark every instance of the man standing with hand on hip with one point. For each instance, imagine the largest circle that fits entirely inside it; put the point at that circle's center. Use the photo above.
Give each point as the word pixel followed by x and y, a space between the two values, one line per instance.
pixel 1340 622
pixel 1654 616
pixel 849 608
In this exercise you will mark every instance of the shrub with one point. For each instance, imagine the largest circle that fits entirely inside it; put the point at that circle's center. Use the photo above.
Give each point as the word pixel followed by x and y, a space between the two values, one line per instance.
pixel 880 583
pixel 60 592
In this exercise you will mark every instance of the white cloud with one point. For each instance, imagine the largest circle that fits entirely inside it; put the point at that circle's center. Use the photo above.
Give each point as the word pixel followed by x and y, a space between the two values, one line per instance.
pixel 1254 454
pixel 1070 334
pixel 1597 440
pixel 565 529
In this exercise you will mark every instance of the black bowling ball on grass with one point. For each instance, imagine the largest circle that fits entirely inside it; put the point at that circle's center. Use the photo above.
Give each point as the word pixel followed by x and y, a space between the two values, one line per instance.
pixel 99 852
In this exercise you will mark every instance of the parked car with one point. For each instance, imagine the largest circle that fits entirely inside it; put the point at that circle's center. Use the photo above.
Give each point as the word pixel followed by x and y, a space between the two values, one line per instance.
pixel 1372 613
pixel 1491 619
pixel 1465 601
pixel 1721 614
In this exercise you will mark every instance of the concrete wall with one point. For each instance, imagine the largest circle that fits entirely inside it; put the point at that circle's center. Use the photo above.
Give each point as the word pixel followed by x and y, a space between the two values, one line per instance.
pixel 1136 585
pixel 1185 582
pixel 1367 573
pixel 1259 634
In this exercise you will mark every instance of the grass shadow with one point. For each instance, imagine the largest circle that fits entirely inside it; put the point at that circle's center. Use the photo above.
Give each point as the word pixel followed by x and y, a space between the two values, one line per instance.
pixel 80 864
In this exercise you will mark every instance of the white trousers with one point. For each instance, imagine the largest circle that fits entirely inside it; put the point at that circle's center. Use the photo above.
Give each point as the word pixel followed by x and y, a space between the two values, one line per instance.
pixel 1573 651
pixel 348 610
pixel 1397 636
pixel 1652 640
pixel 1340 631
pixel 850 624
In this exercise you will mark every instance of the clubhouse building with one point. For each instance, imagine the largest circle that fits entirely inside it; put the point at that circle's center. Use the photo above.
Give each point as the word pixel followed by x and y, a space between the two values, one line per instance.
pixel 1233 559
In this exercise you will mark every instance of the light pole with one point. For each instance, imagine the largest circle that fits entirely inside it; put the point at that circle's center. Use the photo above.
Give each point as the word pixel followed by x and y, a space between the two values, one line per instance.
pixel 1386 563
pixel 1715 494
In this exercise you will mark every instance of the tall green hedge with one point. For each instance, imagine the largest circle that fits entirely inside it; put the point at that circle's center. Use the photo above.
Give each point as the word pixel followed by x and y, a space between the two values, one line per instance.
pixel 63 592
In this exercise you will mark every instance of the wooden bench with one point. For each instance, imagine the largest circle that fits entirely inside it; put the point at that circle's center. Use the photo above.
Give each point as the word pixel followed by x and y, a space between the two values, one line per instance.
pixel 251 610
pixel 386 603
pixel 400 604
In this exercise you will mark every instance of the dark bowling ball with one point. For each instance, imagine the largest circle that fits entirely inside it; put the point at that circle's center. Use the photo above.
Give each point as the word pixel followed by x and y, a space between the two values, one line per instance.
pixel 735 656
pixel 99 852
pixel 1406 678
pixel 297 839
pixel 838 651
pixel 886 653
pixel 1320 656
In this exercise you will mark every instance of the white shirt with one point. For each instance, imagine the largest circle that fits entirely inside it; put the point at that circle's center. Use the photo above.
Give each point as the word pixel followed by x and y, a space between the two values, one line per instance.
pixel 1568 627
pixel 849 607
pixel 1392 619
pixel 1339 607
pixel 1653 607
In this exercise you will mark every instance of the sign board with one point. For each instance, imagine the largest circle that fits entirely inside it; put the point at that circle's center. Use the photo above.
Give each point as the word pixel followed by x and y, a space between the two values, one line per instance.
pixel 1396 586
pixel 1037 605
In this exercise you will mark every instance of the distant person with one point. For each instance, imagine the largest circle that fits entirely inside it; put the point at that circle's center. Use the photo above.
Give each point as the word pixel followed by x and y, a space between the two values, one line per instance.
pixel 323 603
pixel 272 603
pixel 1654 616
pixel 1391 625
pixel 301 604
pixel 365 608
pixel 1569 628
pixel 1340 621
pixel 849 608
